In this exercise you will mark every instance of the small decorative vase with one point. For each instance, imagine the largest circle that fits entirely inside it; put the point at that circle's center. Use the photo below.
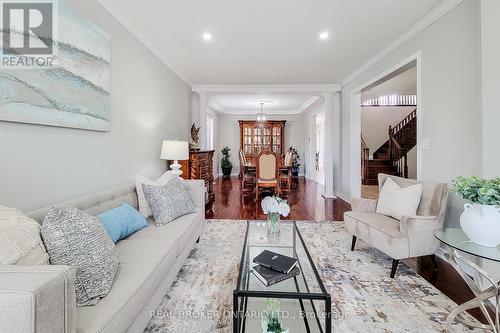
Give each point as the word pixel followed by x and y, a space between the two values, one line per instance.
pixel 273 224
pixel 270 322
pixel 481 223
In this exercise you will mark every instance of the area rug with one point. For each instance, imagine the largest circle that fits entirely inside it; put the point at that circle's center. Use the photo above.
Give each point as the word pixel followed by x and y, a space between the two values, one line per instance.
pixel 364 297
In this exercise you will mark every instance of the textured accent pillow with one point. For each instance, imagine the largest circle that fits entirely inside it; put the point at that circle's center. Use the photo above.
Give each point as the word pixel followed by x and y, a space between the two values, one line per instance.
pixel 397 201
pixel 168 202
pixel 77 239
pixel 20 240
pixel 122 221
pixel 139 180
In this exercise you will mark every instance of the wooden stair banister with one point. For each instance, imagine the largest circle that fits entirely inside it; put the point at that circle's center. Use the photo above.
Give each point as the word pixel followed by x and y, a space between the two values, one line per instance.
pixel 391 157
pixel 365 159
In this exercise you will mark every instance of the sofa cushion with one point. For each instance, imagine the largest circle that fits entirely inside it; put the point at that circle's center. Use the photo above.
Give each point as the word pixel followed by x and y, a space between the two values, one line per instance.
pixel 141 199
pixel 122 221
pixel 168 202
pixel 180 230
pixel 20 240
pixel 397 201
pixel 143 264
pixel 70 235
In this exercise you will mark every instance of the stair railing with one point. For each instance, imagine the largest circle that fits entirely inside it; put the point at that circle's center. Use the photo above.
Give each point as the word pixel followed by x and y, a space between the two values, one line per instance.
pixel 397 154
pixel 365 157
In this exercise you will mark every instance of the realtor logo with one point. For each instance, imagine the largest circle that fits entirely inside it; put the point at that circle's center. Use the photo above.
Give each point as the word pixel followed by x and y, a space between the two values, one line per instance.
pixel 28 33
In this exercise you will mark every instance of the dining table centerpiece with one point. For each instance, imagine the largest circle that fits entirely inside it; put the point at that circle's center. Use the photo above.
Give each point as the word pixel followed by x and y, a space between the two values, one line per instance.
pixel 274 207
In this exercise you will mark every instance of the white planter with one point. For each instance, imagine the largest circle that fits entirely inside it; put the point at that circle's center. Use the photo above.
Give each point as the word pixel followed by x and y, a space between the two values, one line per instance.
pixel 481 223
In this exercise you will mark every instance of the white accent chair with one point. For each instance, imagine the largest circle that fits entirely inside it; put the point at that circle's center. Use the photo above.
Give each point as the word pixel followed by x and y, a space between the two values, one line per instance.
pixel 413 236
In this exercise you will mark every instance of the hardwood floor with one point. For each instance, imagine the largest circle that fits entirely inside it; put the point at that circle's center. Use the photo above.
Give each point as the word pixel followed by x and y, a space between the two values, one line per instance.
pixel 307 203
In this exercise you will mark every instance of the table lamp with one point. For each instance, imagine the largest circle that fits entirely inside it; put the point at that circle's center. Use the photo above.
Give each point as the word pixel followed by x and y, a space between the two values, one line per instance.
pixel 175 150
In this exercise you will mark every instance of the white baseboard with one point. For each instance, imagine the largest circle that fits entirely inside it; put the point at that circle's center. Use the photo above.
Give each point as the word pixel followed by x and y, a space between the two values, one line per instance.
pixel 342 196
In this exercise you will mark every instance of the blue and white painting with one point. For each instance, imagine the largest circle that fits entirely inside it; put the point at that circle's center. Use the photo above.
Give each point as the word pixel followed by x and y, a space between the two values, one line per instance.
pixel 72 93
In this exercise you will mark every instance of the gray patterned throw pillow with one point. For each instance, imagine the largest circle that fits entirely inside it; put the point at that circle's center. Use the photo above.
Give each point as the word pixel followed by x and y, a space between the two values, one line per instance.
pixel 77 239
pixel 169 201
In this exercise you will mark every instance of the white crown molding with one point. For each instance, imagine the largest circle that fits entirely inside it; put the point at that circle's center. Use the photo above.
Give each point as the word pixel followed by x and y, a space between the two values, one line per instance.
pixel 118 14
pixel 266 88
pixel 255 112
pixel 420 26
pixel 308 103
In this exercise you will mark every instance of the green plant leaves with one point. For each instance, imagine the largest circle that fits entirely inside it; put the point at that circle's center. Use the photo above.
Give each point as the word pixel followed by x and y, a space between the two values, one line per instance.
pixel 478 190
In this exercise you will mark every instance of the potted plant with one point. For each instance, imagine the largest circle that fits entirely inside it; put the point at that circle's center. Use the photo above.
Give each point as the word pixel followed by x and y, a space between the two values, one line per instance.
pixel 225 162
pixel 274 207
pixel 480 220
pixel 295 162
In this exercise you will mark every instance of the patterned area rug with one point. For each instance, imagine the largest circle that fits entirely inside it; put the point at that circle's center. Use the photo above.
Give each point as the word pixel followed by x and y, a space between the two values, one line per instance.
pixel 362 293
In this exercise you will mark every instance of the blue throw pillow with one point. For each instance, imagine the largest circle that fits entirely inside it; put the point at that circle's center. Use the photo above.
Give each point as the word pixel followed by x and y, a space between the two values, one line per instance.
pixel 122 221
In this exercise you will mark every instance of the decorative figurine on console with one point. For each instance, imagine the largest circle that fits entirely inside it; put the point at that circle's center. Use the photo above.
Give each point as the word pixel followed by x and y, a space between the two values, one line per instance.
pixel 195 136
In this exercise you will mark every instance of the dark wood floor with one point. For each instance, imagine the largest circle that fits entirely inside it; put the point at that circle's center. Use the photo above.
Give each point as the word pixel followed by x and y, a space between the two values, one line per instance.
pixel 306 203
pixel 305 200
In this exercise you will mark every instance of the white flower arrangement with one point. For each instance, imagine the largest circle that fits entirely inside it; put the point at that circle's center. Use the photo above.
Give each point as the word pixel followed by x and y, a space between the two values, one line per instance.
pixel 275 205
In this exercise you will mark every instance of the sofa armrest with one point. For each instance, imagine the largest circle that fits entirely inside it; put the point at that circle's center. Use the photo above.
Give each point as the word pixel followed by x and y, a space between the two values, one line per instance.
pixel 37 299
pixel 196 190
pixel 364 205
pixel 411 224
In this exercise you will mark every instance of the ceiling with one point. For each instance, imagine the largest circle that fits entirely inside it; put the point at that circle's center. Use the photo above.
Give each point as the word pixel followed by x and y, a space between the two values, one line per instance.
pixel 249 104
pixel 403 83
pixel 267 41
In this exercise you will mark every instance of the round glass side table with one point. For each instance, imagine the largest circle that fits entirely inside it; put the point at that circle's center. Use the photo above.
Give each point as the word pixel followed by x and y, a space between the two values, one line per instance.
pixel 459 242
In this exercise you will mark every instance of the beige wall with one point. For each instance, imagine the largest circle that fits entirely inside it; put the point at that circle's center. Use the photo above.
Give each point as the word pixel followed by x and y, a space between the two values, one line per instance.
pixel 43 165
pixel 490 57
pixel 450 99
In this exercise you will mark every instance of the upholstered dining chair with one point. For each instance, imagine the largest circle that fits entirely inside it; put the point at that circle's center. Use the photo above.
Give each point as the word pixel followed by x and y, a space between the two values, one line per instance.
pixel 413 236
pixel 267 165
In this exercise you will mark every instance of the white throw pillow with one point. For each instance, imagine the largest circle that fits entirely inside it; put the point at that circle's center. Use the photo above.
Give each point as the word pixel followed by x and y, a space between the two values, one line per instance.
pixel 397 201
pixel 139 180
pixel 20 239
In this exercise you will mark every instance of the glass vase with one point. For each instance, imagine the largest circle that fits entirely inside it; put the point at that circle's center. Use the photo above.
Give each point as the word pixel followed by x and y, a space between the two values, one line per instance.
pixel 273 224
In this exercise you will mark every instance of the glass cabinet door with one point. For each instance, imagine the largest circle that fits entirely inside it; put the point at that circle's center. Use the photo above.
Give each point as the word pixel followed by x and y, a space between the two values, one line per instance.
pixel 247 140
pixel 277 139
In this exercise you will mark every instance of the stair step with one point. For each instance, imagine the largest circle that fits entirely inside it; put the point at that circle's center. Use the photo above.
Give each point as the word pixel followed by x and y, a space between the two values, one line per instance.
pixel 380 168
pixel 376 162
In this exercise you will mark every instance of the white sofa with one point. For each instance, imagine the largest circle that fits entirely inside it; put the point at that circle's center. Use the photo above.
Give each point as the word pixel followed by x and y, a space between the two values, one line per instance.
pixel 42 298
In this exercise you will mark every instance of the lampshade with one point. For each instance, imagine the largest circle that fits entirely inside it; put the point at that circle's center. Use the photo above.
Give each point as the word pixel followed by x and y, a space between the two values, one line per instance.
pixel 175 150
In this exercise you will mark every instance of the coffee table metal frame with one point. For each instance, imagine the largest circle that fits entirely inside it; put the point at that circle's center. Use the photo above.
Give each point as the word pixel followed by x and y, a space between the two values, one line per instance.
pixel 240 308
pixel 481 296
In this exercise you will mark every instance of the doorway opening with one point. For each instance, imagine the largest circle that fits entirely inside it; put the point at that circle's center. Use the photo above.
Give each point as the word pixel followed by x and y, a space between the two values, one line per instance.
pixel 385 121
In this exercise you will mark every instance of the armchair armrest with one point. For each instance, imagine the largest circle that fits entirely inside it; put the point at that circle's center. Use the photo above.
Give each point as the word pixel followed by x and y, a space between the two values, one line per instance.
pixel 419 223
pixel 196 190
pixel 364 205
pixel 37 299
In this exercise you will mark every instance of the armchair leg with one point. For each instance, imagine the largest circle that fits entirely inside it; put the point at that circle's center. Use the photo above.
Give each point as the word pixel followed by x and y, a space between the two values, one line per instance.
pixel 353 244
pixel 395 263
pixel 434 263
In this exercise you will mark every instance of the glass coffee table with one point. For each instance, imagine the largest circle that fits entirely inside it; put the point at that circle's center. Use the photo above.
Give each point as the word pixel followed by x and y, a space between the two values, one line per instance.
pixel 304 305
pixel 458 242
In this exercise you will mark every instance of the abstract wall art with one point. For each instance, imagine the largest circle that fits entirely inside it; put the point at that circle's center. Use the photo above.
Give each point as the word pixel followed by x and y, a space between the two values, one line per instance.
pixel 75 91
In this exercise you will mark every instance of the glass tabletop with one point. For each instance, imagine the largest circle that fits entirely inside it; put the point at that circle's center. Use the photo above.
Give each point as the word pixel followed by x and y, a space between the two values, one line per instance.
pixel 289 243
pixel 303 298
pixel 457 239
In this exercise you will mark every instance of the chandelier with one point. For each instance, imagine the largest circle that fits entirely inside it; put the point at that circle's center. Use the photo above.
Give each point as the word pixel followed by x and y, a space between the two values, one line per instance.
pixel 261 117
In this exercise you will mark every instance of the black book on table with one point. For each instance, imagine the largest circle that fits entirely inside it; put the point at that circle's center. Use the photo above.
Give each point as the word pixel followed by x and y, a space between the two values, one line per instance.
pixel 276 261
pixel 269 276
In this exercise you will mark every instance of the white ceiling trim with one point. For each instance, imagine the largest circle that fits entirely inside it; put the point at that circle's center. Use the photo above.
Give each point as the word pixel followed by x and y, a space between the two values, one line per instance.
pixel 266 88
pixel 268 112
pixel 118 14
pixel 421 25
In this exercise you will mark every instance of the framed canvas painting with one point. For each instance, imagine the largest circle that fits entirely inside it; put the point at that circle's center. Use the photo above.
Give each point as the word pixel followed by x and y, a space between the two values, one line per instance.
pixel 74 91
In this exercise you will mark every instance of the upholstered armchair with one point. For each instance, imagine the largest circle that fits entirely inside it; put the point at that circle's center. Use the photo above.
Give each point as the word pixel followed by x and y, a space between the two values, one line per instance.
pixel 413 236
pixel 267 172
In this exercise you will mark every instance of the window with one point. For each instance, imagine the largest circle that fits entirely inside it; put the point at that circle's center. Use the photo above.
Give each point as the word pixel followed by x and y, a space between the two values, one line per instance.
pixel 392 100
pixel 210 131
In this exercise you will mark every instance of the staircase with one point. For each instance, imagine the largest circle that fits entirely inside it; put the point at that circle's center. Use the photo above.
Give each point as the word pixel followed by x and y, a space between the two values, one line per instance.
pixel 391 157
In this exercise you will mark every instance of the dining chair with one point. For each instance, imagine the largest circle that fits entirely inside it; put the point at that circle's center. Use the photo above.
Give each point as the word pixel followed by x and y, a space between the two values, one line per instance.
pixel 285 174
pixel 247 182
pixel 267 166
